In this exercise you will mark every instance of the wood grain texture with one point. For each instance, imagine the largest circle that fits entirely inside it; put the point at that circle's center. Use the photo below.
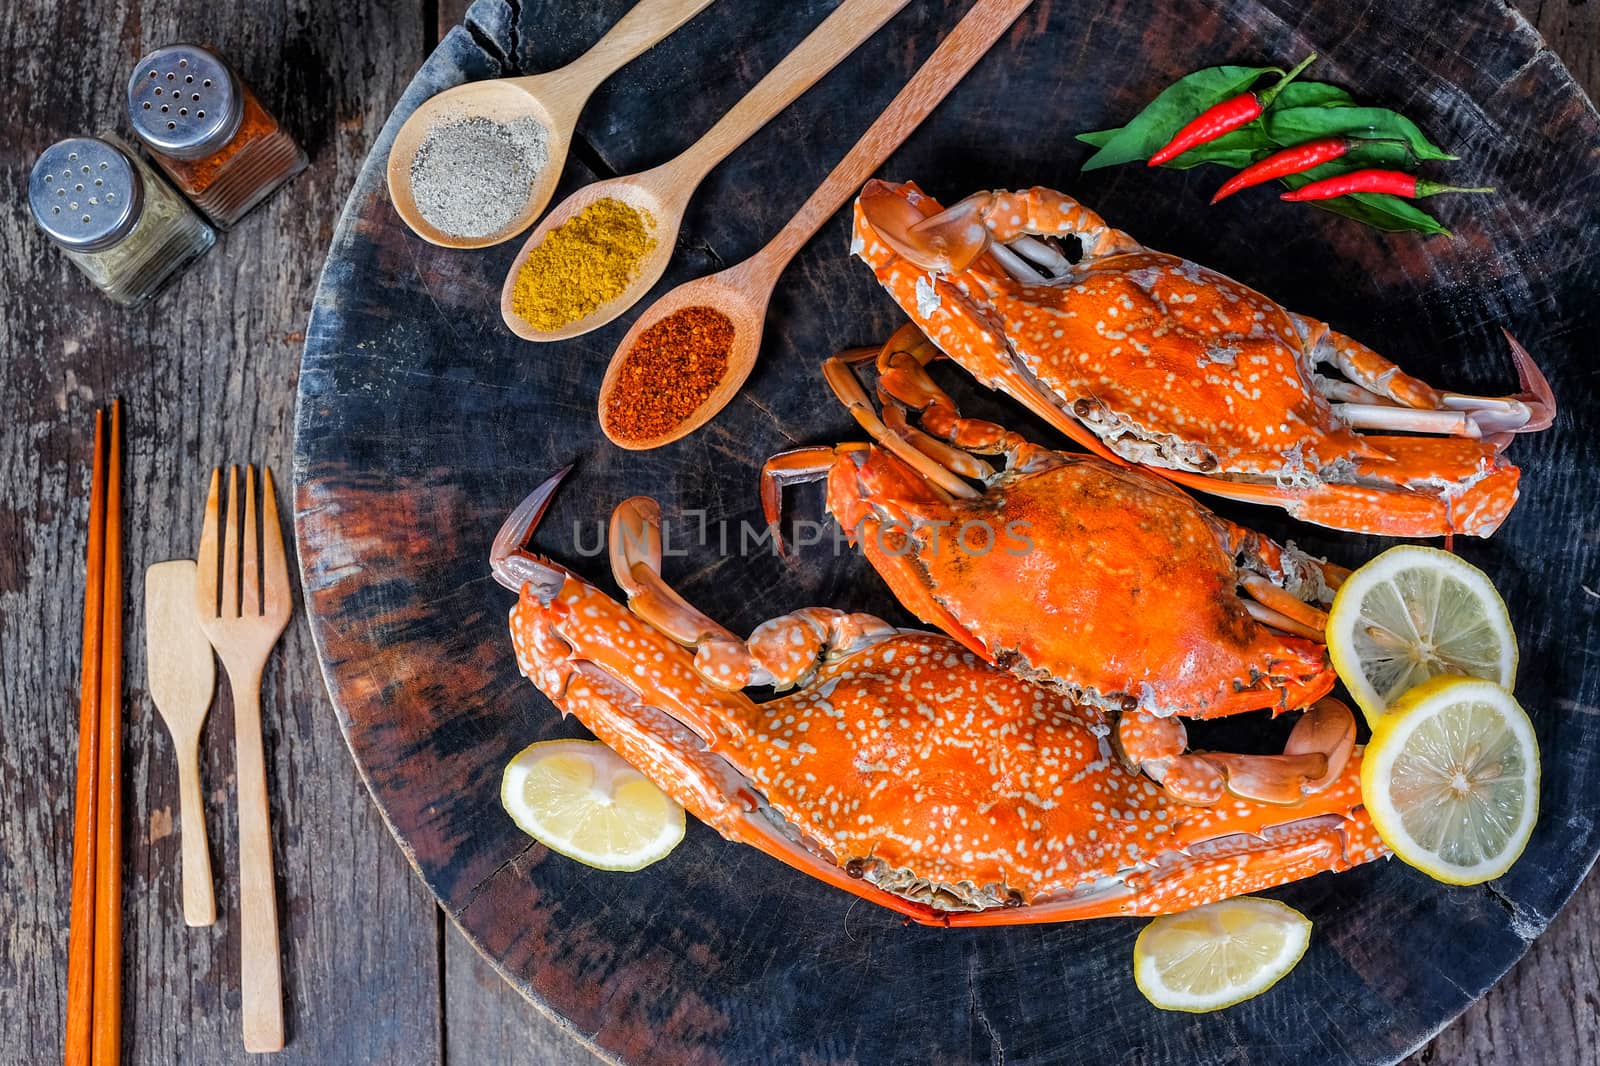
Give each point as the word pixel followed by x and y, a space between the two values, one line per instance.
pixel 373 483
pixel 360 943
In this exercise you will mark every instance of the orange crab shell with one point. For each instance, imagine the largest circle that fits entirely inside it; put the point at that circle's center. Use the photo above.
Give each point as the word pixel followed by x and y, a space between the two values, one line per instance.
pixel 1162 353
pixel 1157 339
pixel 918 767
pixel 1098 578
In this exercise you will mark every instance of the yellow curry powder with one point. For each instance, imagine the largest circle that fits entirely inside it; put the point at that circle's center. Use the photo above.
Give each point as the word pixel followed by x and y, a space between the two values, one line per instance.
pixel 582 263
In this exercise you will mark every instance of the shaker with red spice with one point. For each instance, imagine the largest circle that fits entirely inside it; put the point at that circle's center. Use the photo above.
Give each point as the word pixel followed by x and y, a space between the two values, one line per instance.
pixel 207 130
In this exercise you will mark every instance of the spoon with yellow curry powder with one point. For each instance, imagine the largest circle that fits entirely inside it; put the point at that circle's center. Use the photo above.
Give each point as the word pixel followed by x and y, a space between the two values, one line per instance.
pixel 552 101
pixel 543 300
pixel 637 413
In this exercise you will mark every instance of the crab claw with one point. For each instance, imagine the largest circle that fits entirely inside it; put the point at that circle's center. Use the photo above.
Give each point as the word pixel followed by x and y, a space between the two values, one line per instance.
pixel 1313 758
pixel 722 658
pixel 951 240
pixel 1328 727
pixel 509 559
pixel 1497 418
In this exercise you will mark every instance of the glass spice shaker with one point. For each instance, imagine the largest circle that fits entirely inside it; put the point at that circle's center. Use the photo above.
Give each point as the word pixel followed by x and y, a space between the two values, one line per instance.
pixel 207 130
pixel 114 217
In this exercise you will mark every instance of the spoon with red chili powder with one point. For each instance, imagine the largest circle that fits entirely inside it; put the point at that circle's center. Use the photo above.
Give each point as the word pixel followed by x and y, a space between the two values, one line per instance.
pixel 691 351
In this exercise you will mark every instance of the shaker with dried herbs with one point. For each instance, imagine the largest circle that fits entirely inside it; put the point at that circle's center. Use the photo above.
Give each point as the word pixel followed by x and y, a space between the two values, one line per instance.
pixel 118 222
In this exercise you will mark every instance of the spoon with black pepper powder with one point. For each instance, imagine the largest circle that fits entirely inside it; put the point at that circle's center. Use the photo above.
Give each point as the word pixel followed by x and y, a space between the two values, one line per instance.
pixel 740 294
pixel 493 119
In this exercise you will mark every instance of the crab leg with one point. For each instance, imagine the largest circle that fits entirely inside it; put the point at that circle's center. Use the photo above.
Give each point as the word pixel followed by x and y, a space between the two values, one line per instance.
pixel 1037 251
pixel 960 462
pixel 564 598
pixel 1309 621
pixel 781 652
pixel 797 466
pixel 635 538
pixel 903 380
pixel 1408 420
pixel 1434 411
pixel 1016 266
pixel 1536 397
pixel 790 647
pixel 964 463
pixel 1344 391
pixel 512 565
pixel 1367 368
pixel 846 386
pixel 1281 622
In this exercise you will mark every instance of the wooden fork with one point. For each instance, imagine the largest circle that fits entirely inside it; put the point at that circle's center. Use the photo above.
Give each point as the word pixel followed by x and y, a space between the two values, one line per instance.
pixel 244 631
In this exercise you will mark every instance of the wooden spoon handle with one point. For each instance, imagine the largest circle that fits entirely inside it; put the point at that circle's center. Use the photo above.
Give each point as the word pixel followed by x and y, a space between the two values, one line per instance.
pixel 645 23
pixel 260 981
pixel 957 54
pixel 851 23
pixel 199 903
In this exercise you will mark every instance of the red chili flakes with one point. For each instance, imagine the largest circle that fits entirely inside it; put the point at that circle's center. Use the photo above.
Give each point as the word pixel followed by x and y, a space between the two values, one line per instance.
pixel 668 373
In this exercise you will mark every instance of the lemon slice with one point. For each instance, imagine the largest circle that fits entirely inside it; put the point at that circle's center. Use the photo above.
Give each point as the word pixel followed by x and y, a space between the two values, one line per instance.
pixel 1451 779
pixel 1413 613
pixel 1220 954
pixel 581 799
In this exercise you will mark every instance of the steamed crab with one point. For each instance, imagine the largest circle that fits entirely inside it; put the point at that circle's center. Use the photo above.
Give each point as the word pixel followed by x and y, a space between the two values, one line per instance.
pixel 899 767
pixel 1151 359
pixel 1120 590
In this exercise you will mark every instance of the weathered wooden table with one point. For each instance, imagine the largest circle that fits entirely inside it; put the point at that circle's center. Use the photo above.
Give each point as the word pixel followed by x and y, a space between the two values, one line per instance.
pixel 372 971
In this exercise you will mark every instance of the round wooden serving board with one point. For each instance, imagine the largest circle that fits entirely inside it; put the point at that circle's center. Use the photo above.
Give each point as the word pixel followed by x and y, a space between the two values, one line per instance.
pixel 422 421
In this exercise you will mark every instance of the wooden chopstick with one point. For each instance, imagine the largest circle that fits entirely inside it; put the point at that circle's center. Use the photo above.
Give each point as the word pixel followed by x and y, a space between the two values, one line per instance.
pixel 108 828
pixel 94 945
pixel 80 943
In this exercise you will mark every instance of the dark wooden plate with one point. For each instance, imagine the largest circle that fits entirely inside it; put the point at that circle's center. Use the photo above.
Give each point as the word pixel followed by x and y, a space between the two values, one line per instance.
pixel 422 421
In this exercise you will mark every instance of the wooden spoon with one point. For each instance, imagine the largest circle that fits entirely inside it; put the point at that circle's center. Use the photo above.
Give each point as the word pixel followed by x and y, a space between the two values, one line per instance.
pixel 664 192
pixel 743 291
pixel 183 677
pixel 554 100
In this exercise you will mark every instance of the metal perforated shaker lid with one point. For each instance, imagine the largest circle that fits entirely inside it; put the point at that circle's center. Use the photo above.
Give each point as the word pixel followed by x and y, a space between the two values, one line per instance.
pixel 85 193
pixel 183 101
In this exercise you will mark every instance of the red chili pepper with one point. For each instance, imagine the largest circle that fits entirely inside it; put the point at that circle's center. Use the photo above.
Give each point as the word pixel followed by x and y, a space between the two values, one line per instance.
pixel 1296 160
pixel 1225 117
pixel 1390 182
